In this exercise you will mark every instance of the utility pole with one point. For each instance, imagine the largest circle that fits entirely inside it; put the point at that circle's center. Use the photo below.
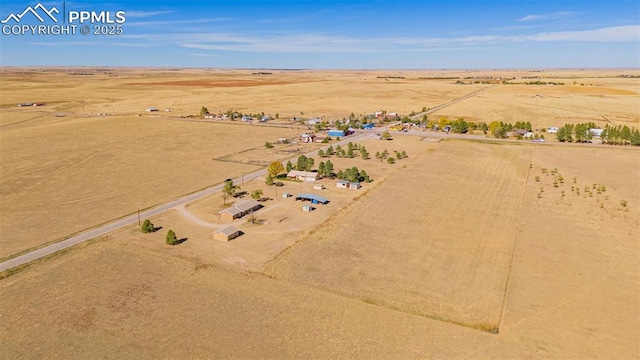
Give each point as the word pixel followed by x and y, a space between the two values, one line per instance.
pixel 138 216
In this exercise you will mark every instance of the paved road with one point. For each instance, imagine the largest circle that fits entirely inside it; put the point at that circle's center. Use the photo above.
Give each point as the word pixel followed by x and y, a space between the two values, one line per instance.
pixel 132 219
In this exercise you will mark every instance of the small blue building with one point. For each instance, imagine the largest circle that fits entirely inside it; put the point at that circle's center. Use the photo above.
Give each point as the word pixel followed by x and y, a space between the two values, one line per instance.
pixel 336 133
pixel 368 126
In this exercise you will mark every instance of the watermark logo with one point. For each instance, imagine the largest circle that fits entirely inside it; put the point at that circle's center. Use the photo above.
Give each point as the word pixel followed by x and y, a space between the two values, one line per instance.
pixel 38 20
pixel 34 12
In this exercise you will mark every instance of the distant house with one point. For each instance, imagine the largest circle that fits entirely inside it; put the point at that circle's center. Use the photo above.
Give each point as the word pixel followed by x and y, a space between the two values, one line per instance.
pixel 25 104
pixel 342 184
pixel 167 109
pixel 596 132
pixel 308 138
pixel 314 121
pixel 264 119
pixel 377 114
pixel 247 118
pixel 318 187
pixel 152 109
pixel 368 126
pixel 552 130
pixel 335 133
pixel 227 234
pixel 303 175
pixel 239 209
pixel 209 116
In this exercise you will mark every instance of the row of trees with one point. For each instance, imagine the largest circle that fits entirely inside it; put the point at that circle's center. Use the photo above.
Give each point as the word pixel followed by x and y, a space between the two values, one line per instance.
pixel 353 175
pixel 349 153
pixel 576 132
pixel 620 135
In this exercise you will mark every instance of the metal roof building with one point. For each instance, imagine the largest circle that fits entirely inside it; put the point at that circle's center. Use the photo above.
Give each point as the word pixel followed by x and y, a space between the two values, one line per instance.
pixel 315 199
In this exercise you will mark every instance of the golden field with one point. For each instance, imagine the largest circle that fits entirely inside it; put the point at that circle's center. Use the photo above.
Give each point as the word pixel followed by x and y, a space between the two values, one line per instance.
pixel 462 239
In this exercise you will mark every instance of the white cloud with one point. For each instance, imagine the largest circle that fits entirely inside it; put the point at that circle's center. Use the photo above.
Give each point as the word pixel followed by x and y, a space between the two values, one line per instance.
pixel 315 43
pixel 551 16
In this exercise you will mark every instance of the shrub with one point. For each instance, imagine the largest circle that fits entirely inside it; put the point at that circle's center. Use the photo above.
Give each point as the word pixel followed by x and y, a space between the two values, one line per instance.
pixel 268 145
pixel 147 227
pixel 391 160
pixel 171 238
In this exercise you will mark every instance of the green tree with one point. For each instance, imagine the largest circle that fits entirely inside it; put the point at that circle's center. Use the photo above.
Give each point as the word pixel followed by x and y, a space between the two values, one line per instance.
pixel 321 168
pixel 275 169
pixel 635 138
pixel 256 194
pixel 404 154
pixel 289 166
pixel 321 153
pixel 350 153
pixel 365 177
pixel 328 169
pixel 171 238
pixel 364 153
pixel 147 227
pixel 391 160
pixel 203 111
pixel 302 163
pixel 386 135
pixel 330 151
pixel 269 180
pixel 268 145
pixel 228 190
pixel 378 155
pixel 459 126
pixel 309 164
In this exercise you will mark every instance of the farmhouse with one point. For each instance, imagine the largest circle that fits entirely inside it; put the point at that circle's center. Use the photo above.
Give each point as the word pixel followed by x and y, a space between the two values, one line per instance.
pixel 303 175
pixel 227 234
pixel 315 199
pixel 342 184
pixel 239 209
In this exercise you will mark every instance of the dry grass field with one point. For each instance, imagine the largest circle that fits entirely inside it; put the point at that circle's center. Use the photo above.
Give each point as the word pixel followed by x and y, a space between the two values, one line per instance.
pixel 538 241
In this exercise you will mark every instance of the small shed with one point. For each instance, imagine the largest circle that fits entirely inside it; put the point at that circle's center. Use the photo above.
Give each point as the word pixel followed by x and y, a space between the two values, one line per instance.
pixel 286 195
pixel 318 187
pixel 152 109
pixel 307 208
pixel 227 234
pixel 354 186
pixel 342 184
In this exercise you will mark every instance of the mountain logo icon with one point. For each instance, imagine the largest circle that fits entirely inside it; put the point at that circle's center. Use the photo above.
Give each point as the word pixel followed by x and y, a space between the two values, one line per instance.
pixel 34 11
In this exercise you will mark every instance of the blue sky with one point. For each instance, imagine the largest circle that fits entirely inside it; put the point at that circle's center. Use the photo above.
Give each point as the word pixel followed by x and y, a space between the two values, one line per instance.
pixel 340 34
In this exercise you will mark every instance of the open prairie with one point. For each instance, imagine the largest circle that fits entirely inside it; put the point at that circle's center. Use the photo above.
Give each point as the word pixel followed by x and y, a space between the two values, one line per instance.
pixel 66 169
pixel 557 275
pixel 537 242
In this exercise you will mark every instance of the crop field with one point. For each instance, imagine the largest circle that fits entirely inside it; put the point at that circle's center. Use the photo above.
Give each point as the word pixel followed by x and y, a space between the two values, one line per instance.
pixel 468 248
